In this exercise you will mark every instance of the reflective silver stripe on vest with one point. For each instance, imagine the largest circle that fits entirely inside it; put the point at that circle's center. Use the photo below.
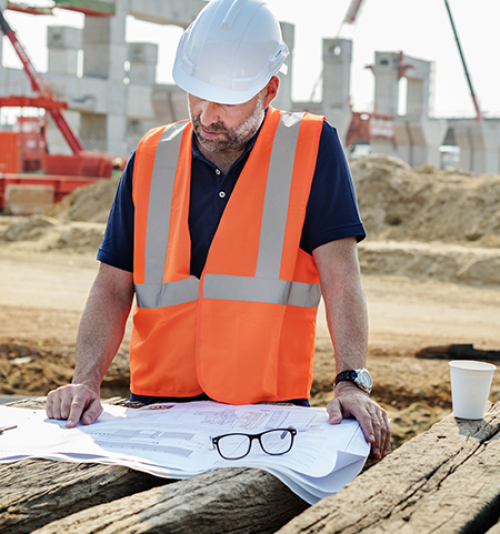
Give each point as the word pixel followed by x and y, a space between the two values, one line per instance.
pixel 274 216
pixel 154 293
pixel 266 286
pixel 161 295
pixel 160 200
pixel 247 289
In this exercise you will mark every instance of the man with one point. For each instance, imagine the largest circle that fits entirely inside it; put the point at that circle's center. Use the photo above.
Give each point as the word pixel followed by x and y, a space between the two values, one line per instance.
pixel 225 227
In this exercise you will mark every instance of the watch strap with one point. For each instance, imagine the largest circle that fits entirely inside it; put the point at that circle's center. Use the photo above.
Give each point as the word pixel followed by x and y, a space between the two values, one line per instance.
pixel 346 376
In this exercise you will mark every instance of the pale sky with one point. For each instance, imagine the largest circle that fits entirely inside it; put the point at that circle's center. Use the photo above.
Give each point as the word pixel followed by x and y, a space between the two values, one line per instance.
pixel 419 28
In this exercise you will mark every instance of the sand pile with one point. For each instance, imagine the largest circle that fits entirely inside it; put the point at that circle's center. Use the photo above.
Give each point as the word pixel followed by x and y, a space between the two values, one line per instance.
pixel 428 223
pixel 90 203
pixel 423 222
pixel 426 204
pixel 76 223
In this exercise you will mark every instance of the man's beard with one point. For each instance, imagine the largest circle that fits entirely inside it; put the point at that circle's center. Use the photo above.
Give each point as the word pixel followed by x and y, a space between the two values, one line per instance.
pixel 231 138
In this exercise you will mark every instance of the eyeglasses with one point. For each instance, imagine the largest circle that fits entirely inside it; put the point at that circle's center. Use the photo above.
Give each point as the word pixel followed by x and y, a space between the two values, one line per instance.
pixel 235 446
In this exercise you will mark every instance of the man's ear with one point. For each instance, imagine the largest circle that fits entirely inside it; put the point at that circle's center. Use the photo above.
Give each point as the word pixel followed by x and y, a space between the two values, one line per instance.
pixel 270 91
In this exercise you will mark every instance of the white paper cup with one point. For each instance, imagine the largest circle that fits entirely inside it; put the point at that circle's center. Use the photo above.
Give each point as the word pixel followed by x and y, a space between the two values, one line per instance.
pixel 470 387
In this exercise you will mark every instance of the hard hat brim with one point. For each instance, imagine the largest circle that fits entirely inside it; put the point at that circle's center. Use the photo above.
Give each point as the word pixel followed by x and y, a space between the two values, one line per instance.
pixel 212 93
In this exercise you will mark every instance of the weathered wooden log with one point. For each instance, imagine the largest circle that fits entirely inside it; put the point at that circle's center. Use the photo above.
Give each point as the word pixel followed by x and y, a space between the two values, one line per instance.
pixel 221 501
pixel 444 481
pixel 80 498
pixel 36 492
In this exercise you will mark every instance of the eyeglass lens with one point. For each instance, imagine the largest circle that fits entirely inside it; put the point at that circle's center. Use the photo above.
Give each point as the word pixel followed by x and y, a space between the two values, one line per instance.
pixel 235 446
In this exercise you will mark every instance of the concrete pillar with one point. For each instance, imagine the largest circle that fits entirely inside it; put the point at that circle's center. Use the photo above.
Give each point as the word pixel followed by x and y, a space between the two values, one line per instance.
pixel 337 56
pixel 479 144
pixel 418 139
pixel 105 52
pixel 284 99
pixel 116 134
pixel 64 44
pixel 143 58
pixel 93 130
pixel 385 71
pixel 382 139
pixel 418 72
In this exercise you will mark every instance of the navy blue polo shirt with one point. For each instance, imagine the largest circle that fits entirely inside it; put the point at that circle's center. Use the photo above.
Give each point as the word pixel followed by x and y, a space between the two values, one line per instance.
pixel 332 211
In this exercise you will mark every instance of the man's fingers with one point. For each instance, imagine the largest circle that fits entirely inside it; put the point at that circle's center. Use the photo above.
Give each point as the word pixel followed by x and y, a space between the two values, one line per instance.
pixel 74 402
pixel 334 410
pixel 75 411
pixel 92 412
pixel 371 417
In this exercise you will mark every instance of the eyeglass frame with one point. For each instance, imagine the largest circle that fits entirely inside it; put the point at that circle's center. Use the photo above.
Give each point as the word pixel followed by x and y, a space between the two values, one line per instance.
pixel 291 430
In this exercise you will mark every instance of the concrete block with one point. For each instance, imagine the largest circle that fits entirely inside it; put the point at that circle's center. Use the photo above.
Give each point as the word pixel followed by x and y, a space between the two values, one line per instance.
pixel 479 144
pixel 178 12
pixel 27 199
pixel 169 104
pixel 96 29
pixel 63 61
pixel 116 133
pixel 142 73
pixel 143 53
pixel 96 60
pixel 93 131
pixel 337 56
pixel 117 98
pixel 117 56
pixel 139 105
pixel 418 139
pixel 64 37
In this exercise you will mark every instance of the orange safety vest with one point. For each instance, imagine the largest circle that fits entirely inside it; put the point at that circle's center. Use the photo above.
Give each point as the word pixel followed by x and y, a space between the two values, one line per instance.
pixel 244 332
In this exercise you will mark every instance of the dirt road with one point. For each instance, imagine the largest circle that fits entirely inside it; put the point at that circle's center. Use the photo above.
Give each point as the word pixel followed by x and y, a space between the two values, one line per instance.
pixel 403 312
pixel 42 296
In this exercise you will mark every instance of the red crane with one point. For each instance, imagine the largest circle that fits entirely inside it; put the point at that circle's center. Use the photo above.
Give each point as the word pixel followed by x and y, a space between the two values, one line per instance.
pixel 40 86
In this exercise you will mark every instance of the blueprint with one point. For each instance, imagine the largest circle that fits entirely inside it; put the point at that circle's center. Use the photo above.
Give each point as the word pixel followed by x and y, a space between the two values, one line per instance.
pixel 173 440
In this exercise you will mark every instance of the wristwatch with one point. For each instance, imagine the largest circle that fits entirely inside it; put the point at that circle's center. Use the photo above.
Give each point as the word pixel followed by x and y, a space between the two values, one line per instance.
pixel 359 377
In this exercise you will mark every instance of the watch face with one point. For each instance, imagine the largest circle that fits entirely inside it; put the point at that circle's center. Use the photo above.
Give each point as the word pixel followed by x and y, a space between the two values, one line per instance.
pixel 365 378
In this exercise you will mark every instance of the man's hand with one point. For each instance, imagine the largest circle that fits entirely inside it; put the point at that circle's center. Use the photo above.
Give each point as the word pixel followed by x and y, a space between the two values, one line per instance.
pixel 74 402
pixel 350 401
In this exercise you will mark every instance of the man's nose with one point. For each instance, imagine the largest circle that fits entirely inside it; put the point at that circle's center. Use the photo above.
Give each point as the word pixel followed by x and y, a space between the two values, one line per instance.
pixel 209 113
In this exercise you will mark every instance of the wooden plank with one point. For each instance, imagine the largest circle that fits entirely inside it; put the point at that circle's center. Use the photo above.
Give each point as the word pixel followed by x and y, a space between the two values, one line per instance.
pixel 444 481
pixel 86 498
pixel 217 502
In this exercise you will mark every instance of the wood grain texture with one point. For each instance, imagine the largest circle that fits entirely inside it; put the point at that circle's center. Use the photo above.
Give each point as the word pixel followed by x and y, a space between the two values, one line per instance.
pixel 221 501
pixel 444 481
pixel 45 496
pixel 34 492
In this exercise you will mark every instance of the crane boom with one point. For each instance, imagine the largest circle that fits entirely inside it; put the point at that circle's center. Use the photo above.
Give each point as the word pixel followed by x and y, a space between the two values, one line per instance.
pixel 479 115
pixel 352 12
pixel 40 86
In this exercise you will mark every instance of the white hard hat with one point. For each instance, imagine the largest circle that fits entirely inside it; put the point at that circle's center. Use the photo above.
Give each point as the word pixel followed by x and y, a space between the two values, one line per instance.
pixel 230 52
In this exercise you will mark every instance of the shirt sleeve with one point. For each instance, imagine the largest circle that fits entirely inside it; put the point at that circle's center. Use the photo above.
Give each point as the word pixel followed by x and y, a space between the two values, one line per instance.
pixel 332 211
pixel 117 246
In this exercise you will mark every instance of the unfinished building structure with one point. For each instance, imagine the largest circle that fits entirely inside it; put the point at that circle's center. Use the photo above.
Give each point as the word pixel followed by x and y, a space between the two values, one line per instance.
pixel 113 97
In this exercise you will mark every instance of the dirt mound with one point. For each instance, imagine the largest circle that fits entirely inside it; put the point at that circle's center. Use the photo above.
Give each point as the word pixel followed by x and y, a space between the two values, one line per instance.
pixel 398 204
pixel 90 203
pixel 40 233
pixel 426 204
